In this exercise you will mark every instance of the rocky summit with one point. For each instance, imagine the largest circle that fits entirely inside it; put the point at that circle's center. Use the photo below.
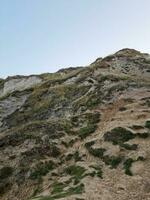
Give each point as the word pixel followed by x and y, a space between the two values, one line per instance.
pixel 78 134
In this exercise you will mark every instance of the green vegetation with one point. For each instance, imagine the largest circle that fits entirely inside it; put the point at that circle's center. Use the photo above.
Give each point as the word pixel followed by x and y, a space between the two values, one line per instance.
pixel 58 187
pixel 92 118
pixel 97 152
pixel 2 81
pixel 137 127
pixel 62 194
pixel 143 135
pixel 4 187
pixel 86 131
pixel 41 170
pixel 6 172
pixel 147 103
pixel 44 101
pixel 113 161
pixel 147 124
pixel 77 172
pixel 93 101
pixel 127 164
pixel 98 171
pixel 74 156
pixel 119 135
pixel 129 146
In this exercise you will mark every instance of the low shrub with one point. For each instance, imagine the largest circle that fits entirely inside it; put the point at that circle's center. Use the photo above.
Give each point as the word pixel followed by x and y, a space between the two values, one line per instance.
pixel 127 164
pixel 42 169
pixel 86 131
pixel 6 172
pixel 97 152
pixel 129 146
pixel 77 173
pixel 98 171
pixel 143 135
pixel 119 135
pixel 147 124
pixel 113 161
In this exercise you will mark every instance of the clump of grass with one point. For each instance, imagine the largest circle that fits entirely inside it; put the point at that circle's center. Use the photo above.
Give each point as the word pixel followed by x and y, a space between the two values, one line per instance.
pixel 58 187
pixel 143 135
pixel 98 171
pixel 137 127
pixel 129 146
pixel 127 165
pixel 121 109
pixel 89 144
pixel 147 124
pixel 71 191
pixel 74 170
pixel 93 101
pixel 4 187
pixel 140 158
pixel 86 131
pixel 42 169
pixel 113 161
pixel 147 102
pixel 6 172
pixel 92 118
pixel 97 152
pixel 119 135
pixel 74 156
pixel 55 151
pixel 77 172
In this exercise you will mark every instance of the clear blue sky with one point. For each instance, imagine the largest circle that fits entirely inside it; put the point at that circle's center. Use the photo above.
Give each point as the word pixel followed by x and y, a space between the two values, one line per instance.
pixel 45 35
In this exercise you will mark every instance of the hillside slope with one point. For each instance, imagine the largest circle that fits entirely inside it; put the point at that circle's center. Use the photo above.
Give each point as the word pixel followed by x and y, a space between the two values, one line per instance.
pixel 79 134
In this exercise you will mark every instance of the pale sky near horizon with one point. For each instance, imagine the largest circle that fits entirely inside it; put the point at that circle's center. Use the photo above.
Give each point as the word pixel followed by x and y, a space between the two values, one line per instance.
pixel 38 36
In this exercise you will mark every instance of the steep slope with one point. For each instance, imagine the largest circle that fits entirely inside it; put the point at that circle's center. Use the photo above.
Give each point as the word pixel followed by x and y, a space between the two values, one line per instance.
pixel 80 133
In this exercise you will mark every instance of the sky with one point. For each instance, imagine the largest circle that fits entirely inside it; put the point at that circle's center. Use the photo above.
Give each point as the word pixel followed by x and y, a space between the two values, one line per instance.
pixel 39 36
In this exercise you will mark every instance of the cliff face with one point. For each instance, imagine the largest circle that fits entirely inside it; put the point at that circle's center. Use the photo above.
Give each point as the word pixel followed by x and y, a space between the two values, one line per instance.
pixel 80 133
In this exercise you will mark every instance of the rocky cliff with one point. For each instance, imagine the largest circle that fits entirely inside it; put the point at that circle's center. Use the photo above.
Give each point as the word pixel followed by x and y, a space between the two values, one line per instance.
pixel 78 134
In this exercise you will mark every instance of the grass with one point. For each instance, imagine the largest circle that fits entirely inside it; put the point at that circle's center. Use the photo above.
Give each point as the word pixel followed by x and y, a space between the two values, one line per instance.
pixel 97 152
pixel 98 171
pixel 41 170
pixel 74 156
pixel 119 135
pixel 137 127
pixel 74 170
pixel 71 191
pixel 92 118
pixel 147 124
pixel 58 187
pixel 4 187
pixel 2 81
pixel 44 100
pixel 129 146
pixel 86 131
pixel 77 173
pixel 143 135
pixel 6 172
pixel 113 161
pixel 127 165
